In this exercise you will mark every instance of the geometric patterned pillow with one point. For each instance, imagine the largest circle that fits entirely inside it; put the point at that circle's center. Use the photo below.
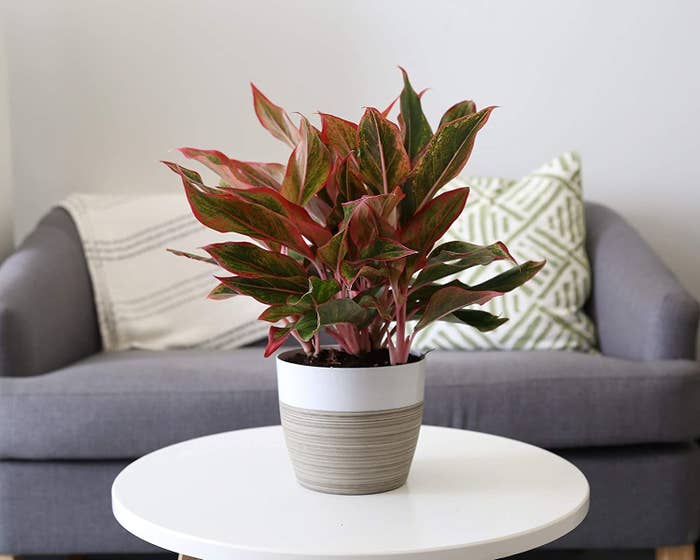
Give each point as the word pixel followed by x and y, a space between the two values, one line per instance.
pixel 540 216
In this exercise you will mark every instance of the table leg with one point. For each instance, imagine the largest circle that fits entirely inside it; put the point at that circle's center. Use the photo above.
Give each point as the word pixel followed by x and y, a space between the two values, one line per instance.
pixel 685 552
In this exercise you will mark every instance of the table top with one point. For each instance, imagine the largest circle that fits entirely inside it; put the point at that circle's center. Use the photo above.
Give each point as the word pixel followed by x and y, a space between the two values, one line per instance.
pixel 234 496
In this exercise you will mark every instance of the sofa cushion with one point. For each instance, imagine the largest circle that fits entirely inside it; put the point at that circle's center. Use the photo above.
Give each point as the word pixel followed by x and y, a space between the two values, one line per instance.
pixel 125 404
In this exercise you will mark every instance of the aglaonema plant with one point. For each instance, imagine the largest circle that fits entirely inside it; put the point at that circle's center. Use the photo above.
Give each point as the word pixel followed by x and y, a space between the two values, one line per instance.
pixel 345 234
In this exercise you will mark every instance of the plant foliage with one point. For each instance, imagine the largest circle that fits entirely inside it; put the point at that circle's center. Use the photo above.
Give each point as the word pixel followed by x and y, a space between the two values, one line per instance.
pixel 345 234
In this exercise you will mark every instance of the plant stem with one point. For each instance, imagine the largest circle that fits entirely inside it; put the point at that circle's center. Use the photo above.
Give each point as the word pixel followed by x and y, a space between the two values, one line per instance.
pixel 321 271
pixel 401 352
pixel 398 352
pixel 351 338
pixel 305 346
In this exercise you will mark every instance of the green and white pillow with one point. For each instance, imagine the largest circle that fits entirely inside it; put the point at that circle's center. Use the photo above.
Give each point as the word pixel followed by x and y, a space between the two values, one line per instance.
pixel 540 216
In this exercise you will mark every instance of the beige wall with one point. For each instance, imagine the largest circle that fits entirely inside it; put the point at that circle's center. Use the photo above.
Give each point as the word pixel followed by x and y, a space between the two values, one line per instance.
pixel 101 90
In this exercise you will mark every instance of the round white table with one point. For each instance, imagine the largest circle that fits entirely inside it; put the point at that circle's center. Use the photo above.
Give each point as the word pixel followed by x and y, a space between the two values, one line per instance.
pixel 234 496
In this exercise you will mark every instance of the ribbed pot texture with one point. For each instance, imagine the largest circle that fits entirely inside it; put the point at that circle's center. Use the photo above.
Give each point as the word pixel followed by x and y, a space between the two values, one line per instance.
pixel 351 430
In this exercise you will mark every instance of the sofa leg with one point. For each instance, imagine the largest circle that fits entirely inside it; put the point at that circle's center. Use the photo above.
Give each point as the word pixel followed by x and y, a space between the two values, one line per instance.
pixel 179 557
pixel 684 552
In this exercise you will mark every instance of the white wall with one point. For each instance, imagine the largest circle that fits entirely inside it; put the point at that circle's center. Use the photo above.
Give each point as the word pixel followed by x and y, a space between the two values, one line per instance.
pixel 100 90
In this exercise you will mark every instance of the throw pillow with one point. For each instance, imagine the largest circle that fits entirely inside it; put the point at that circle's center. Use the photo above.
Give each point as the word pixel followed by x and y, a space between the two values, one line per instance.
pixel 540 216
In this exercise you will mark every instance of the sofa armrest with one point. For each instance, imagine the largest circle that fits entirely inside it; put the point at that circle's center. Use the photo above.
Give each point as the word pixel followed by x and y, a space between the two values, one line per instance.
pixel 47 312
pixel 640 309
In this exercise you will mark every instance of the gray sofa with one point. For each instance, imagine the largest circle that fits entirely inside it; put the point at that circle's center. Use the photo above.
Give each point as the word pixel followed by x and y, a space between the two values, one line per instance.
pixel 71 416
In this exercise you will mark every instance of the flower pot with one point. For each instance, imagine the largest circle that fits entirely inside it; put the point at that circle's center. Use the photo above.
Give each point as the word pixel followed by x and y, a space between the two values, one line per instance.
pixel 351 430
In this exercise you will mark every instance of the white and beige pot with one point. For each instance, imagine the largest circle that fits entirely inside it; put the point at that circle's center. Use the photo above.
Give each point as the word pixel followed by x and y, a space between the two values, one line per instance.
pixel 351 430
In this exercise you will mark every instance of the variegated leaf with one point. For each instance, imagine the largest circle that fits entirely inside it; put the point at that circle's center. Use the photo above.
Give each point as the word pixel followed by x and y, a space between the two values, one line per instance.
pixel 276 337
pixel 511 278
pixel 221 292
pixel 417 131
pixel 266 289
pixel 384 163
pixel 443 158
pixel 458 110
pixel 249 260
pixel 449 299
pixel 340 135
pixel 308 167
pixel 274 118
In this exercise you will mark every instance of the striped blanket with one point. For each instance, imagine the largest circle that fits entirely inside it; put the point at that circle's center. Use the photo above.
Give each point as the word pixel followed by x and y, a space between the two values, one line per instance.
pixel 146 297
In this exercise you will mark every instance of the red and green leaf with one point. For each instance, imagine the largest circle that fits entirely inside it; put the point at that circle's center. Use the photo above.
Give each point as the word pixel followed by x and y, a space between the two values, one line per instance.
pixel 266 289
pixel 307 326
pixel 418 298
pixel 281 311
pixel 369 299
pixel 257 212
pixel 319 291
pixel 214 160
pixel 480 320
pixel 239 174
pixel 193 256
pixel 308 167
pixel 458 110
pixel 276 337
pixel 334 251
pixel 333 312
pixel 343 310
pixel 454 250
pixel 442 160
pixel 364 220
pixel 351 271
pixel 449 299
pixel 483 321
pixel 221 292
pixel 297 215
pixel 349 185
pixel 375 275
pixel 385 249
pixel 249 260
pixel 417 131
pixel 456 256
pixel 192 177
pixel 382 204
pixel 387 110
pixel 426 227
pixel 362 226
pixel 384 163
pixel 511 278
pixel 259 174
pixel 338 134
pixel 274 119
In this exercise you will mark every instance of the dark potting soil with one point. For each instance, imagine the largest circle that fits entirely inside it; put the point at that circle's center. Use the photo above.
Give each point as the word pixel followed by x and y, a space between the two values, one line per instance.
pixel 332 357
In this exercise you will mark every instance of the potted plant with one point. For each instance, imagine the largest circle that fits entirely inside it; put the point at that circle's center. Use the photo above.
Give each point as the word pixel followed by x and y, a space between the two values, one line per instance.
pixel 345 242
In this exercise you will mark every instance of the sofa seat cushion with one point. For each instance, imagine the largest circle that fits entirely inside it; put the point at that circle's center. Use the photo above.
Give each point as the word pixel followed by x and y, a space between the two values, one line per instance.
pixel 125 404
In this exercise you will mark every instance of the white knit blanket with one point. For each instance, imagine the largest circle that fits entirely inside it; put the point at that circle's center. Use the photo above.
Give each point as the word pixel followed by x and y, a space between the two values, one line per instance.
pixel 146 297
